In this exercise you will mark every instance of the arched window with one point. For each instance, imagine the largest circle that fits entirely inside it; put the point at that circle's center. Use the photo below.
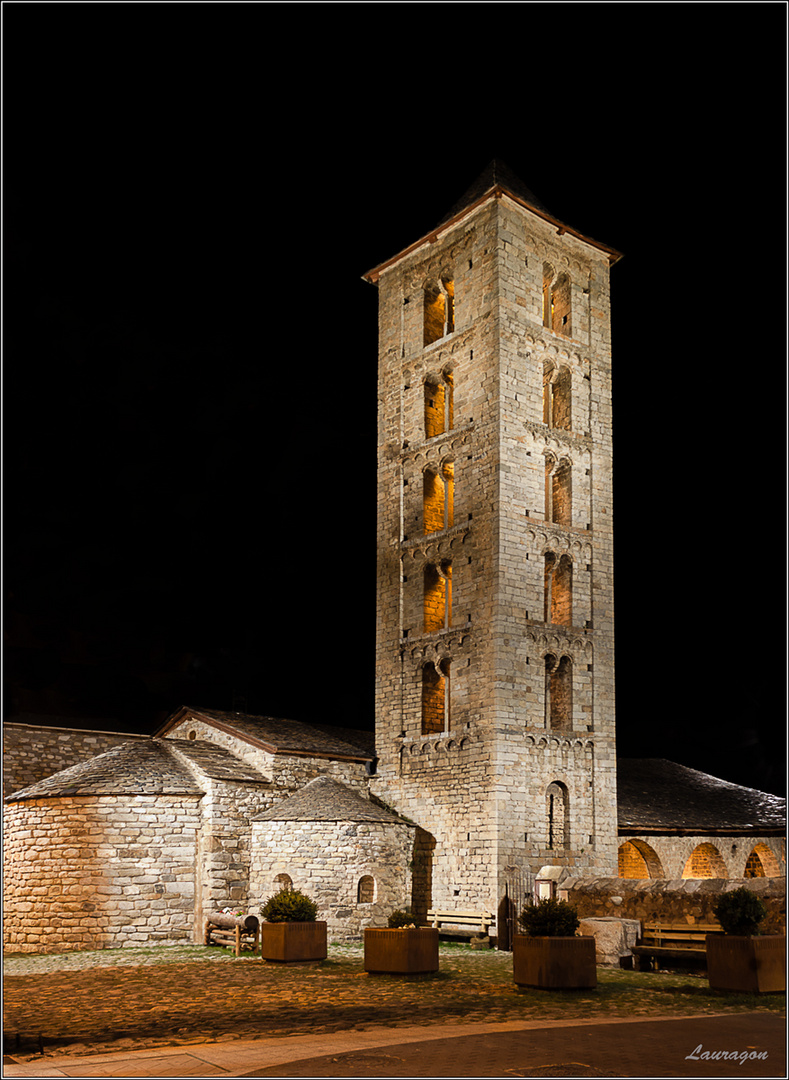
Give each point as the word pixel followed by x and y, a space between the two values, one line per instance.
pixel 558 815
pixel 439 310
pixel 437 597
pixel 438 500
pixel 435 698
pixel 365 890
pixel 558 693
pixel 283 882
pixel 439 404
pixel 556 293
pixel 558 589
pixel 557 396
pixel 558 491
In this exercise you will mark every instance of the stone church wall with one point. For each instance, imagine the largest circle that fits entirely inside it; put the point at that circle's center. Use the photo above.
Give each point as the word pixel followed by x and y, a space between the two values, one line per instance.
pixel 90 872
pixel 328 860
pixel 32 752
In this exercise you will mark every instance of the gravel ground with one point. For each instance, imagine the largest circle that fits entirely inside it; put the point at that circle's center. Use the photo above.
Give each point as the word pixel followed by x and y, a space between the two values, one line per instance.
pixel 136 998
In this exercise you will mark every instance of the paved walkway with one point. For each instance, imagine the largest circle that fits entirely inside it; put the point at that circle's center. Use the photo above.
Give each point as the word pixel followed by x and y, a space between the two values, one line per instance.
pixel 756 1043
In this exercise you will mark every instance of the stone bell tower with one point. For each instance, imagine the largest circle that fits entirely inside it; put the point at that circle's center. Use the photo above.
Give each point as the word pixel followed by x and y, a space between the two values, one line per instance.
pixel 495 612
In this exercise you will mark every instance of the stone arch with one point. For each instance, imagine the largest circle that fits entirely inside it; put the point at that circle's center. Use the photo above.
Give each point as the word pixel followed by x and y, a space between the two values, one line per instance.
pixel 558 692
pixel 365 889
pixel 705 861
pixel 558 588
pixel 439 308
pixel 439 403
pixel 283 882
pixel 637 859
pixel 557 811
pixel 436 696
pixel 437 596
pixel 762 862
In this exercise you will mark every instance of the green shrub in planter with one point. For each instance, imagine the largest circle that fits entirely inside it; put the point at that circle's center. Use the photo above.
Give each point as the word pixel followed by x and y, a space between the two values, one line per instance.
pixel 399 919
pixel 289 905
pixel 549 918
pixel 739 912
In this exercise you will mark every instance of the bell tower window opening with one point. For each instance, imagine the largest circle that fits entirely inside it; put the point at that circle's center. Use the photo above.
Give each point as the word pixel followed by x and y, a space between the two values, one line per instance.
pixel 557 396
pixel 558 693
pixel 439 406
pixel 437 597
pixel 557 813
pixel 558 605
pixel 556 306
pixel 439 311
pixel 438 501
pixel 435 698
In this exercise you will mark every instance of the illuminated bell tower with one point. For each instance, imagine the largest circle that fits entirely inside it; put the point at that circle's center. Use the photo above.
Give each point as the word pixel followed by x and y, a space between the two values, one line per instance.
pixel 495 616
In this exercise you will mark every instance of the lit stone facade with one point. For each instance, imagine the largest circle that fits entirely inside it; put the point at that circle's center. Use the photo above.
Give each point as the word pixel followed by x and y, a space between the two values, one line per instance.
pixel 494 750
pixel 495 718
pixel 87 872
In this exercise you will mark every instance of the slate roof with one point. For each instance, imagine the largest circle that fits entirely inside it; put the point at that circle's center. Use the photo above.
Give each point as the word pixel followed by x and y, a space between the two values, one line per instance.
pixel 143 767
pixel 132 768
pixel 661 796
pixel 324 799
pixel 217 762
pixel 497 174
pixel 285 736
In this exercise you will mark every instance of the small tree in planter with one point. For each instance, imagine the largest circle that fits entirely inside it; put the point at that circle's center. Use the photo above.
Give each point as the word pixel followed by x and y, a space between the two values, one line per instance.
pixel 291 931
pixel 548 954
pixel 741 959
pixel 401 949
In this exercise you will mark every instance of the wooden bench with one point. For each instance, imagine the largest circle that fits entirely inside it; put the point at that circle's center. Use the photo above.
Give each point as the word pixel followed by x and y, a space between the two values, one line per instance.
pixel 237 931
pixel 673 941
pixel 479 920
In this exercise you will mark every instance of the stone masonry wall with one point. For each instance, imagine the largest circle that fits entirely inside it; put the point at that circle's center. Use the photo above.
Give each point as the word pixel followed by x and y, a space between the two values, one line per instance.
pixel 32 753
pixel 690 900
pixel 89 872
pixel 326 860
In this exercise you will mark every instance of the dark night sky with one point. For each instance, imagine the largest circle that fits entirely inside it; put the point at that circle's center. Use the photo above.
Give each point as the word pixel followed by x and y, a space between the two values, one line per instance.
pixel 192 193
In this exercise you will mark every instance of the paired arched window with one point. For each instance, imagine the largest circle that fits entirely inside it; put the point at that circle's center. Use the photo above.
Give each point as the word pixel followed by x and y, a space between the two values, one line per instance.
pixel 439 404
pixel 435 698
pixel 558 491
pixel 556 293
pixel 437 596
pixel 439 309
pixel 438 501
pixel 558 594
pixel 558 693
pixel 557 385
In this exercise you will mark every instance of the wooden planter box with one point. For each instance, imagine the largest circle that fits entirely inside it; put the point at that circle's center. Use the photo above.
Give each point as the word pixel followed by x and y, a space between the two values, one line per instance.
pixel 290 942
pixel 554 963
pixel 753 964
pixel 401 952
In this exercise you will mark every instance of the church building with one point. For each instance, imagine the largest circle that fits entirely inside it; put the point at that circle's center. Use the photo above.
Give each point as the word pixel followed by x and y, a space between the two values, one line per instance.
pixel 493 767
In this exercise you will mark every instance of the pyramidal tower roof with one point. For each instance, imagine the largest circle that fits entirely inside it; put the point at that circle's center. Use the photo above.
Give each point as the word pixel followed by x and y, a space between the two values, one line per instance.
pixel 493 182
pixel 497 175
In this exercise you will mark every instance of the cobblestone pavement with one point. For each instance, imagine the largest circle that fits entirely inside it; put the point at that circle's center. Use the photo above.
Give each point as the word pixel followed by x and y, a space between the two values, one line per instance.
pixel 148 998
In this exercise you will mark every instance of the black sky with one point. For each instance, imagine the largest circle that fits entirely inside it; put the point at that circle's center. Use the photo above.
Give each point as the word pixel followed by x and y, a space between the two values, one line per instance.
pixel 192 193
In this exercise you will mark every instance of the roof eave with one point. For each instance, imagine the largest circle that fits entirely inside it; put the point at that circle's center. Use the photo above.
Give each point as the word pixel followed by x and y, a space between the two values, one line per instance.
pixel 495 192
pixel 184 712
